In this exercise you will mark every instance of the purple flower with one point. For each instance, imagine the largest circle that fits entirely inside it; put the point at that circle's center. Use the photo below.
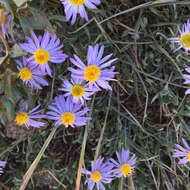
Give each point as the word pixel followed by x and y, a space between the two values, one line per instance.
pixel 184 39
pixel 30 74
pixel 2 164
pixel 182 152
pixel 67 112
pixel 94 73
pixel 44 49
pixel 101 173
pixel 26 118
pixel 4 21
pixel 187 79
pixel 125 165
pixel 73 7
pixel 77 90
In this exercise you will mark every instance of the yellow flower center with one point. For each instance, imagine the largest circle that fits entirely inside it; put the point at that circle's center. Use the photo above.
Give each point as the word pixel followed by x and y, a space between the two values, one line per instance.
pixel 77 2
pixel 96 176
pixel 21 118
pixel 25 73
pixel 2 17
pixel 185 40
pixel 188 156
pixel 41 56
pixel 125 170
pixel 77 91
pixel 91 73
pixel 67 118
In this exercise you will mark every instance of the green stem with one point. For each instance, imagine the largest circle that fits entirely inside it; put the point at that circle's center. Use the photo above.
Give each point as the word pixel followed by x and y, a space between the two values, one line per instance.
pixel 121 183
pixel 77 187
pixel 131 185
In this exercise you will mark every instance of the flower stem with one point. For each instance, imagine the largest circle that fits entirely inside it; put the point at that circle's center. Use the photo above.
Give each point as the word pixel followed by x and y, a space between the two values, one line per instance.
pixel 77 187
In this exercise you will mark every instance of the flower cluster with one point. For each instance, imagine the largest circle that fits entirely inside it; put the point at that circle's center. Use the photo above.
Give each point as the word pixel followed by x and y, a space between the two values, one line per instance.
pixel 84 82
pixel 69 108
pixel 87 77
pixel 105 172
pixel 183 41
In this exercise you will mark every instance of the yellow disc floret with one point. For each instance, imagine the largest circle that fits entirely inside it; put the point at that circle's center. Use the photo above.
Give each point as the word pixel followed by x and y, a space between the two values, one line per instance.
pixel 67 118
pixel 125 170
pixel 91 73
pixel 185 40
pixel 77 2
pixel 77 91
pixel 21 118
pixel 25 73
pixel 2 16
pixel 41 56
pixel 96 176
pixel 188 156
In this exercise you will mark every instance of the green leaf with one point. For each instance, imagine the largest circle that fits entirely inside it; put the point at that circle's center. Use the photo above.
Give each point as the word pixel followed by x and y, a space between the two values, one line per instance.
pixel 17 51
pixel 38 20
pixel 9 107
pixel 16 93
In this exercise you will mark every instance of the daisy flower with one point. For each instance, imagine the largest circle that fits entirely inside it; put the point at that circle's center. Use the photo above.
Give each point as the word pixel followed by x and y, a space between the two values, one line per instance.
pixel 44 49
pixel 4 22
pixel 26 118
pixel 187 79
pixel 30 74
pixel 94 73
pixel 2 164
pixel 66 112
pixel 184 38
pixel 124 166
pixel 73 7
pixel 77 89
pixel 100 173
pixel 182 152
